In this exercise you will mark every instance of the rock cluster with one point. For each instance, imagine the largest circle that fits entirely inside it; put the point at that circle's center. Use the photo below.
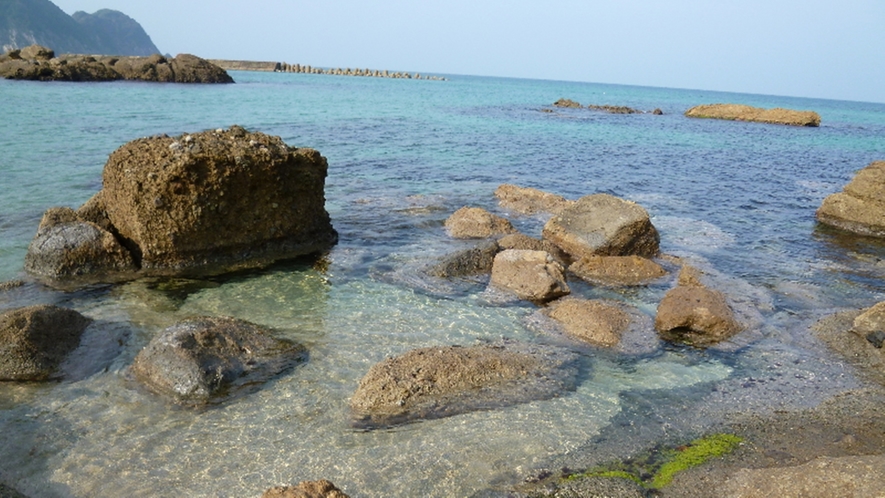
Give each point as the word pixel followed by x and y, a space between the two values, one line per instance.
pixel 611 109
pixel 203 359
pixel 860 207
pixel 739 112
pixel 202 203
pixel 34 340
pixel 374 73
pixel 40 63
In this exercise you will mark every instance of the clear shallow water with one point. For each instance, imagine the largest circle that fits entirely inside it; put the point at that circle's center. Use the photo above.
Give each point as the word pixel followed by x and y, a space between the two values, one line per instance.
pixel 735 198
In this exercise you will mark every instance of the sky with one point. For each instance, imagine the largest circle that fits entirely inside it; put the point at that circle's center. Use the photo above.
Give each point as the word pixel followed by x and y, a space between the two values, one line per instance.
pixel 803 48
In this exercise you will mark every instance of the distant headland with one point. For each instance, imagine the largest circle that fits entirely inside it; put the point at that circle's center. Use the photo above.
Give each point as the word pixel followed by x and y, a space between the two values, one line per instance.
pixel 283 67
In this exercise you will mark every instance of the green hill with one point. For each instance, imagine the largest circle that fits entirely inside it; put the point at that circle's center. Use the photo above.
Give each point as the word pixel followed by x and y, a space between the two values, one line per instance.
pixel 106 32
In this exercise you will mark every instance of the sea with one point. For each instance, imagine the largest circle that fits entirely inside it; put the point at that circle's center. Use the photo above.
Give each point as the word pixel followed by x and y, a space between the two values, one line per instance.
pixel 734 199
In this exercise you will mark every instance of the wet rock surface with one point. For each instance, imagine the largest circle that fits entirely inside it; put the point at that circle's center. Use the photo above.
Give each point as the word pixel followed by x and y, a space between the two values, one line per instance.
pixel 439 382
pixel 524 242
pixel 476 223
pixel 306 489
pixel 531 275
pixel 202 203
pixel 474 261
pixel 860 207
pixel 739 112
pixel 603 225
pixel 40 63
pixel 206 359
pixel 526 200
pixel 617 271
pixel 695 314
pixel 35 340
pixel 594 321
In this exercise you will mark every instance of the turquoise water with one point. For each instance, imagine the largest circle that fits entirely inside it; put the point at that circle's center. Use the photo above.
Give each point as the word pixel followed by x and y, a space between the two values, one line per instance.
pixel 736 199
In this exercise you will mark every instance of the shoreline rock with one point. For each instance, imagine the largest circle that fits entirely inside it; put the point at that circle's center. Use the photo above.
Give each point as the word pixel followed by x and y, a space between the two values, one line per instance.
pixel 38 63
pixel 739 112
pixel 34 340
pixel 694 314
pixel 860 207
pixel 531 275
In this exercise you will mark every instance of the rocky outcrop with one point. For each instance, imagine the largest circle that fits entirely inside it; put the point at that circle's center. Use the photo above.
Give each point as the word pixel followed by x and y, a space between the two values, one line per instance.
pixel 739 112
pixel 439 382
pixel 41 64
pixel 476 223
pixel 593 321
pixel 529 201
pixel 68 247
pixel 205 359
pixel 860 207
pixel 474 261
pixel 603 225
pixel 568 104
pixel 35 340
pixel 617 271
pixel 306 489
pixel 531 275
pixel 611 109
pixel 694 314
pixel 197 204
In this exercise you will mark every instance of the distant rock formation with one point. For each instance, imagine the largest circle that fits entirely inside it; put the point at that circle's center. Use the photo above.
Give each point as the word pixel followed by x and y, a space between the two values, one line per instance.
pixel 860 207
pixel 739 112
pixel 40 64
pixel 611 109
pixel 106 32
pixel 197 204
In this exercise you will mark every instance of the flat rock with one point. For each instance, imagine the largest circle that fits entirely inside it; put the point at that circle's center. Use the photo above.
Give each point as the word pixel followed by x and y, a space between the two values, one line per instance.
pixel 477 223
pixel 617 271
pixel 593 321
pixel 823 477
pixel 205 359
pixel 739 112
pixel 860 207
pixel 531 275
pixel 603 225
pixel 306 489
pixel 525 200
pixel 36 339
pixel 439 382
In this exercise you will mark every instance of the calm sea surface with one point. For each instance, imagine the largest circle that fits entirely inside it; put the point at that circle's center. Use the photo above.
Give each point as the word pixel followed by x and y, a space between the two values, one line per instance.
pixel 736 199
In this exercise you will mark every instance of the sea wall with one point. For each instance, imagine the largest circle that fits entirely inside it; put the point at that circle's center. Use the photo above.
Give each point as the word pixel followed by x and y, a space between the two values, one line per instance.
pixel 284 67
pixel 228 65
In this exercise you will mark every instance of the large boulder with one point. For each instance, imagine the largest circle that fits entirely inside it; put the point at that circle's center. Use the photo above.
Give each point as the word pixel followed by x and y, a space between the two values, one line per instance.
pixel 593 321
pixel 306 489
pixel 527 200
pixel 531 275
pixel 68 247
pixel 604 225
pixel 196 204
pixel 617 271
pixel 476 223
pixel 860 207
pixel 205 359
pixel 35 340
pixel 695 314
pixel 39 63
pixel 439 382
pixel 739 112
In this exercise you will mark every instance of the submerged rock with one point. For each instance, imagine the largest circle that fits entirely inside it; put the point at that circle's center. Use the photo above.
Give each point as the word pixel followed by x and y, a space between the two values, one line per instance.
pixel 203 203
pixel 695 314
pixel 306 489
pixel 604 225
pixel 738 112
pixel 36 339
pixel 593 321
pixel 40 63
pixel 531 275
pixel 474 261
pixel 476 223
pixel 617 271
pixel 439 382
pixel 204 359
pixel 527 200
pixel 860 207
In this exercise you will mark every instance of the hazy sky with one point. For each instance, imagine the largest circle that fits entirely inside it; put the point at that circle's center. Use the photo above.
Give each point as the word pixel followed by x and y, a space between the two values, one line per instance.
pixel 809 48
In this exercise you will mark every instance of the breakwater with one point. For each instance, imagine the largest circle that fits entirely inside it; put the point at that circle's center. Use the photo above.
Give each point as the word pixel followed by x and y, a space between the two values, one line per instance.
pixel 284 67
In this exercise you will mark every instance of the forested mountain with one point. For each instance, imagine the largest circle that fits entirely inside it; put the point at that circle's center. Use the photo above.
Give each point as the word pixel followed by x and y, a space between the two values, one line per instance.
pixel 106 32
